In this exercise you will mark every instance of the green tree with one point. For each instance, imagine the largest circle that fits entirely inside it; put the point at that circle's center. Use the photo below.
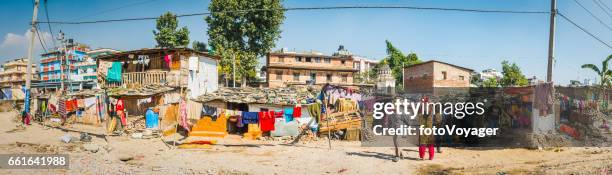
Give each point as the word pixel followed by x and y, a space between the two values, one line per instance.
pixel 234 29
pixel 397 61
pixel 512 75
pixel 167 35
pixel 605 75
pixel 199 46
pixel 490 82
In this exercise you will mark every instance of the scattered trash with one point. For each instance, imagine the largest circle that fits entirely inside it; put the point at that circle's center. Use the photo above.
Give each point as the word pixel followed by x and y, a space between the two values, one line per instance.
pixel 91 147
pixel 85 137
pixel 67 138
pixel 137 136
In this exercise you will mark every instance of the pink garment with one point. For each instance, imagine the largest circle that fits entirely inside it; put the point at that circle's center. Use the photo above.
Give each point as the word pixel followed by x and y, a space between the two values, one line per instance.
pixel 168 59
pixel 430 150
pixel 184 122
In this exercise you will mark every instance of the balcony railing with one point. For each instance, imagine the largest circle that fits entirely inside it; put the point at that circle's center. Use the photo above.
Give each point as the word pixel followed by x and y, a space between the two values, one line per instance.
pixel 139 79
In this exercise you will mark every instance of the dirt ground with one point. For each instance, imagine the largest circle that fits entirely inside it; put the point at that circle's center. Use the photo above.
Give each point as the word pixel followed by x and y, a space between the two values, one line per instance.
pixel 237 156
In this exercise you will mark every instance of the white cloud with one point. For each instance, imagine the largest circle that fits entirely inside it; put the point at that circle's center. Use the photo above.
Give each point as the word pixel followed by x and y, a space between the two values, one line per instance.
pixel 16 45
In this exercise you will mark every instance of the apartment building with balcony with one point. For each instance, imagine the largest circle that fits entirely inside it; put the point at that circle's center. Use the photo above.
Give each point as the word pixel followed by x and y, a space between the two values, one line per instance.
pixel 285 68
pixel 14 73
pixel 61 66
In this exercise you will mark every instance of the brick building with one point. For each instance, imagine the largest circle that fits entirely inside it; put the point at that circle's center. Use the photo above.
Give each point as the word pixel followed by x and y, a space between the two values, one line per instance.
pixel 292 68
pixel 14 72
pixel 426 76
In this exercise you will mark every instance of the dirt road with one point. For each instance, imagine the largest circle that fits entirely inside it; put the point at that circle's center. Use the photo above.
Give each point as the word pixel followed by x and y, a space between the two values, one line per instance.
pixel 237 156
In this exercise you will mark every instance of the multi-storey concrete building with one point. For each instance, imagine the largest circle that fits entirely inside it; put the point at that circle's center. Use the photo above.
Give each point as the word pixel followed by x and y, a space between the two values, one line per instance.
pixel 426 76
pixel 293 68
pixel 75 67
pixel 13 74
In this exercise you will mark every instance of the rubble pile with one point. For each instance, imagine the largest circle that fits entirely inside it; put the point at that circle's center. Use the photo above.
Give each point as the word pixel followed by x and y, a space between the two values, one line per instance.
pixel 548 140
pixel 279 96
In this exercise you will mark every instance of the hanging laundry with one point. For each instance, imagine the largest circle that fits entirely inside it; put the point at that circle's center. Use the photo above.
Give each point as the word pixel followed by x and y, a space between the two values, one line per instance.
pixel 168 60
pixel 288 114
pixel 183 121
pixel 279 114
pixel 114 73
pixel 120 112
pixel 249 117
pixel 151 118
pixel 315 111
pixel 297 111
pixel 266 120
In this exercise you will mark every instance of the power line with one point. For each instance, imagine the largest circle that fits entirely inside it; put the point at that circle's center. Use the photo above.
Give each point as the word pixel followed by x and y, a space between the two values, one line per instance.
pixel 309 8
pixel 584 30
pixel 602 8
pixel 604 4
pixel 593 15
pixel 114 9
pixel 48 24
pixel 40 40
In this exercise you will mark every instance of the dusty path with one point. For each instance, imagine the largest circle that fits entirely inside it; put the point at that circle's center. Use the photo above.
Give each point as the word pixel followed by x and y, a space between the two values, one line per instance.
pixel 257 157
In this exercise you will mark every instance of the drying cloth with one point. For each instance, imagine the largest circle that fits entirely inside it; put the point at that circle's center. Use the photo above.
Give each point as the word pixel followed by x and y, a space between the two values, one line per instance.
pixel 249 117
pixel 278 114
pixel 114 73
pixel 119 106
pixel 183 121
pixel 297 111
pixel 168 60
pixel 266 120
pixel 315 111
pixel 288 114
pixel 151 119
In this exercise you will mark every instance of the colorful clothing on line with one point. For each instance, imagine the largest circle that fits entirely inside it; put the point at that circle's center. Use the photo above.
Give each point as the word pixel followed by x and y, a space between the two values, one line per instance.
pixel 266 120
pixel 288 114
pixel 249 117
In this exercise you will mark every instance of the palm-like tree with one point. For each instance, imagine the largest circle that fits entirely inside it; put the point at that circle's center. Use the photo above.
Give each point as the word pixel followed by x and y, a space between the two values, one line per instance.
pixel 605 75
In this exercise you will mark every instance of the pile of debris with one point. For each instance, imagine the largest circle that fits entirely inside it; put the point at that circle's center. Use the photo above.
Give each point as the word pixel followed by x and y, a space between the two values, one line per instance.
pixel 280 96
pixel 548 140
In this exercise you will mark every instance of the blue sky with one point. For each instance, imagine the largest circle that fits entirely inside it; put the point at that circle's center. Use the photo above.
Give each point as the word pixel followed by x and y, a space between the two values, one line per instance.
pixel 474 40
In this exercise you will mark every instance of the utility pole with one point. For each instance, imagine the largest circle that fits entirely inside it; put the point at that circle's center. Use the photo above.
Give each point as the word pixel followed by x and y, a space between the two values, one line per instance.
pixel 551 40
pixel 61 38
pixel 30 50
pixel 234 69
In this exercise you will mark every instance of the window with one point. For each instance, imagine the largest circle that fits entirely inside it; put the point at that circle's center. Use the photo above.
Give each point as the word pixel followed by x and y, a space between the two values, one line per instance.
pixel 344 78
pixel 308 59
pixel 279 75
pixel 461 77
pixel 281 59
pixel 296 76
pixel 328 77
pixel 327 60
pixel 343 62
pixel 313 77
pixel 298 59
pixel 444 75
pixel 317 59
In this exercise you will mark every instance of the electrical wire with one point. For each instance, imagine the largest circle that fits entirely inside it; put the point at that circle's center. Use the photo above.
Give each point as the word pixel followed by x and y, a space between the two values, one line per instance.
pixel 602 8
pixel 593 15
pixel 604 5
pixel 114 9
pixel 584 30
pixel 308 8
pixel 48 24
pixel 40 40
